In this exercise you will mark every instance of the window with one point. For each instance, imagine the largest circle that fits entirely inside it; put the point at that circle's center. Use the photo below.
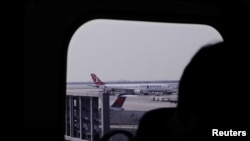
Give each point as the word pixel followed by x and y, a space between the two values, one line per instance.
pixel 143 61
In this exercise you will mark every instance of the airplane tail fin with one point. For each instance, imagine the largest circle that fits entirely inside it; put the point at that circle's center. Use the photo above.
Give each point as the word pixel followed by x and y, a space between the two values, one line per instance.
pixel 96 80
pixel 119 102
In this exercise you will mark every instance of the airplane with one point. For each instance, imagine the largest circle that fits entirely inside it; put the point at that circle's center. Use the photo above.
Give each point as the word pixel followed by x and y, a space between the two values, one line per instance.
pixel 118 103
pixel 132 88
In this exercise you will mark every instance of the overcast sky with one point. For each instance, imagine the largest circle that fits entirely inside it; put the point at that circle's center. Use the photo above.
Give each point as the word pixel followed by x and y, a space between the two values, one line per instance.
pixel 129 50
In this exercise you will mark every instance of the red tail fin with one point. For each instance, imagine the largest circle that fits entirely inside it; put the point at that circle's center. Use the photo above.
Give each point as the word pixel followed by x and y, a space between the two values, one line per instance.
pixel 118 102
pixel 96 80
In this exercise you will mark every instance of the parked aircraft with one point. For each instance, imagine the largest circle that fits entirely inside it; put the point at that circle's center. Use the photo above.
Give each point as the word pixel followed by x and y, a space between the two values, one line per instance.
pixel 142 88
pixel 118 103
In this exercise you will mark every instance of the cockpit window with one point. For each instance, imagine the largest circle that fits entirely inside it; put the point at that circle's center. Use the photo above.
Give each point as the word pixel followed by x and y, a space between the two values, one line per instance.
pixel 117 70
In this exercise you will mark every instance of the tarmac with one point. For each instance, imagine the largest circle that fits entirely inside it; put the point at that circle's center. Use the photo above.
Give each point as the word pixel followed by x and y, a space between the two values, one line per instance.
pixel 135 107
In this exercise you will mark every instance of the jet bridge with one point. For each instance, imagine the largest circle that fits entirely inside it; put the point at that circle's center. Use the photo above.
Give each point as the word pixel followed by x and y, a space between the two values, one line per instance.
pixel 84 120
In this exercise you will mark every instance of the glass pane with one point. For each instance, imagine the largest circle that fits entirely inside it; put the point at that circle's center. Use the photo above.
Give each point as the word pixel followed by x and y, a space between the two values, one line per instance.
pixel 138 64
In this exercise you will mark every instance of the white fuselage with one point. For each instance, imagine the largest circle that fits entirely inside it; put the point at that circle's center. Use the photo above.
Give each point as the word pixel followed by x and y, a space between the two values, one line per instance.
pixel 141 88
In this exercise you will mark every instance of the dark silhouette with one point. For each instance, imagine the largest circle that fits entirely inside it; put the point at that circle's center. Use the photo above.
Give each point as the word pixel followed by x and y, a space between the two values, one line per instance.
pixel 210 97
